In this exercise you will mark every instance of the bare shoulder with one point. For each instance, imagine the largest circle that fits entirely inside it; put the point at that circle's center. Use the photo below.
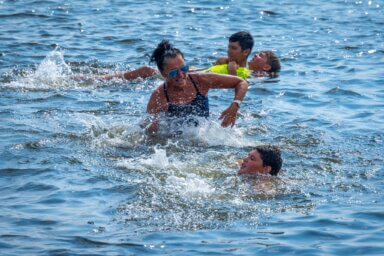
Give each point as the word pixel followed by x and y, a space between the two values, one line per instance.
pixel 202 82
pixel 157 102
pixel 221 60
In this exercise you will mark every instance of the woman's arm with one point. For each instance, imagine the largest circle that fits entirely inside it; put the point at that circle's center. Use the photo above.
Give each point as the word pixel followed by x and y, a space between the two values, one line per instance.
pixel 218 81
pixel 142 72
pixel 156 105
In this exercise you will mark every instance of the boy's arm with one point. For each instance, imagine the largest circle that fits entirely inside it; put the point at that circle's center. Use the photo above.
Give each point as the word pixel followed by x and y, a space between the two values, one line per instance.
pixel 232 68
pixel 221 60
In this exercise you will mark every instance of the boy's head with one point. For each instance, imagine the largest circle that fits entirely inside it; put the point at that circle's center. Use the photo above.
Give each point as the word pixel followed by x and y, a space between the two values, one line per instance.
pixel 262 160
pixel 240 46
pixel 266 61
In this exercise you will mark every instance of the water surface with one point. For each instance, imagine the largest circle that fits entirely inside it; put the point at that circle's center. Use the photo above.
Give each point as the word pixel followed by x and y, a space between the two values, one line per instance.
pixel 79 176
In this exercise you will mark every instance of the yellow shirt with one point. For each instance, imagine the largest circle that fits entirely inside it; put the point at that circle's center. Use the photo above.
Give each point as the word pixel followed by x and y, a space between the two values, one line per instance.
pixel 223 69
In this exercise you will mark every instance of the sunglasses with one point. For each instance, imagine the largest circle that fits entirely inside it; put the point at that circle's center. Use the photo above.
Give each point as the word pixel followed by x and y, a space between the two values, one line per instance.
pixel 173 73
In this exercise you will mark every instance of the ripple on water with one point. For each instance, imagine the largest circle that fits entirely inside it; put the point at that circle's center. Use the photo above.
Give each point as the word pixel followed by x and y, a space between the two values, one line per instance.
pixel 36 186
pixel 23 171
pixel 34 221
pixel 130 41
pixel 5 245
pixel 23 15
pixel 343 92
pixel 269 13
pixel 362 115
pixel 369 215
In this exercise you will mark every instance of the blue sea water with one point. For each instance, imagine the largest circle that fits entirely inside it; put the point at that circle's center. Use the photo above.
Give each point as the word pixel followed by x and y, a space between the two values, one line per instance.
pixel 79 177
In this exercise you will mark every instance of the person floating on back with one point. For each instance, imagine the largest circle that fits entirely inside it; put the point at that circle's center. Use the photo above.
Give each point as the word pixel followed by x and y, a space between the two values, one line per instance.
pixel 240 44
pixel 264 63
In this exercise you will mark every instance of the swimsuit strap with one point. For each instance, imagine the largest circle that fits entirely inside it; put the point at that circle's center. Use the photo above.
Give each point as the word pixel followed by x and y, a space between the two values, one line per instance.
pixel 193 82
pixel 166 92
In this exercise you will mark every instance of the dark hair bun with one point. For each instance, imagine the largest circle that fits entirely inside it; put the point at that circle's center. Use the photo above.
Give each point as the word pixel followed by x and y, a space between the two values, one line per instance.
pixel 161 48
pixel 164 50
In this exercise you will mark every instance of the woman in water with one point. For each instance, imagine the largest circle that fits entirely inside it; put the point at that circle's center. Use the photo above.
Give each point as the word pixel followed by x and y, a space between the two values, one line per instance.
pixel 183 95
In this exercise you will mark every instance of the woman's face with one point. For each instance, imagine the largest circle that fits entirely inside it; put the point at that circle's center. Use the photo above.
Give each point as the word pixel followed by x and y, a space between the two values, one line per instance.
pixel 253 164
pixel 173 65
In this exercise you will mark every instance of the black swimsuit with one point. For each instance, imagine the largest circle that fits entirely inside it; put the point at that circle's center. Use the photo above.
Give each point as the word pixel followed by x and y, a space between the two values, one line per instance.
pixel 199 106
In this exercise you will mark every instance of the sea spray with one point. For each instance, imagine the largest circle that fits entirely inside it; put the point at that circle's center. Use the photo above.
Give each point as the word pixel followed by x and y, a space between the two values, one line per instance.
pixel 51 73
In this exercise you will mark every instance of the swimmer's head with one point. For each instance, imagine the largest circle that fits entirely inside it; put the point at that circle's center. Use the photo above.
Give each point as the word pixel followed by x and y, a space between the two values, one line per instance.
pixel 164 50
pixel 262 160
pixel 265 61
pixel 240 46
pixel 171 64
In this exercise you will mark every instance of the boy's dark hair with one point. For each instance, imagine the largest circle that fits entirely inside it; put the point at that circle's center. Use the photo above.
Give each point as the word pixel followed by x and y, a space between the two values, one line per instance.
pixel 271 156
pixel 244 38
pixel 164 50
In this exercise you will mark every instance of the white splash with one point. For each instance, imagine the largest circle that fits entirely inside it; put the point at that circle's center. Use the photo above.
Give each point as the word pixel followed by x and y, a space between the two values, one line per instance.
pixel 155 162
pixel 211 133
pixel 52 72
pixel 158 160
pixel 191 184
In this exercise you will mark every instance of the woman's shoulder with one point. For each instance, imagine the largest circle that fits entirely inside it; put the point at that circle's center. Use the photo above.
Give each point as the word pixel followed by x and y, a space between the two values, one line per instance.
pixel 200 81
pixel 157 102
pixel 159 91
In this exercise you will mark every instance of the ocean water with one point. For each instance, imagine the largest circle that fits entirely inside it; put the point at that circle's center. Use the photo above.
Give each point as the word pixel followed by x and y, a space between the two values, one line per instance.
pixel 78 176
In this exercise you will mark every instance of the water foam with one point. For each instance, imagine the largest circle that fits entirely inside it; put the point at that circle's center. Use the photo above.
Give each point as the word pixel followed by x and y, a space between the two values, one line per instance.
pixel 105 133
pixel 180 177
pixel 192 184
pixel 210 133
pixel 52 72
pixel 158 160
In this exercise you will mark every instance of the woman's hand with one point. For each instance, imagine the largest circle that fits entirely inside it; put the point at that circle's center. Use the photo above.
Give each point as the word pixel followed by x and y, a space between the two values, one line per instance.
pixel 229 115
pixel 152 128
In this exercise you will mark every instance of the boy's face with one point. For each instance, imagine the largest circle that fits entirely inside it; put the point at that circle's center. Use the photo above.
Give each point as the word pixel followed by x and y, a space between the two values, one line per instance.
pixel 253 164
pixel 259 62
pixel 235 53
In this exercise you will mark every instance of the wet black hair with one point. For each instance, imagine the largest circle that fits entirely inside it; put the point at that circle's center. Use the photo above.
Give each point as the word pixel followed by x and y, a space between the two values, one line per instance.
pixel 164 50
pixel 271 156
pixel 244 38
